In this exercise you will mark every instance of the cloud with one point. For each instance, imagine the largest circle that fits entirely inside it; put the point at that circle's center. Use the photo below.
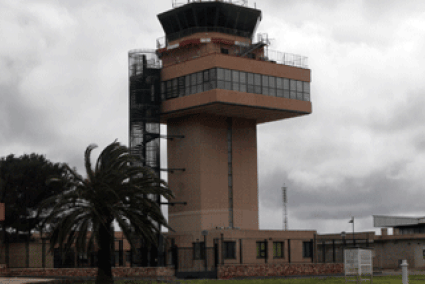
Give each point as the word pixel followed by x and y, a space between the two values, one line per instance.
pixel 64 85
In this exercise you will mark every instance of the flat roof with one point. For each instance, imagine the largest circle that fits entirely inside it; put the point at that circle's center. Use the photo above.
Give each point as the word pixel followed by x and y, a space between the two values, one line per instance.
pixel 396 221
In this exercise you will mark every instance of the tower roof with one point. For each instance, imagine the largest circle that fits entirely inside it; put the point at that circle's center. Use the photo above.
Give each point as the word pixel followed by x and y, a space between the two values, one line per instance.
pixel 208 17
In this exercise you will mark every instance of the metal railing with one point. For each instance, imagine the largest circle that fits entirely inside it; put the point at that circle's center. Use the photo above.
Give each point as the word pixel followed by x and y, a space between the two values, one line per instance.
pixel 178 3
pixel 163 41
pixel 285 58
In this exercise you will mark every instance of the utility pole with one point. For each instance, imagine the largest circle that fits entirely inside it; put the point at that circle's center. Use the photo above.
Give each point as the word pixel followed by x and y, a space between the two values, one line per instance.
pixel 285 213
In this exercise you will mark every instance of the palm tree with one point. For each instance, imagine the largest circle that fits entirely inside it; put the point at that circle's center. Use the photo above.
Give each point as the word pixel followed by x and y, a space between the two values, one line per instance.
pixel 115 189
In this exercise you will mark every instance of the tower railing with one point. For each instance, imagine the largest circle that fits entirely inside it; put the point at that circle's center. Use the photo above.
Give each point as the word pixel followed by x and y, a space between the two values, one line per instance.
pixel 164 41
pixel 178 3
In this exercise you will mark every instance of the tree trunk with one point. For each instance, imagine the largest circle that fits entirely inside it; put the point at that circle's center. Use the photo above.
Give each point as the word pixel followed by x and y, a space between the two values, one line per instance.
pixel 104 269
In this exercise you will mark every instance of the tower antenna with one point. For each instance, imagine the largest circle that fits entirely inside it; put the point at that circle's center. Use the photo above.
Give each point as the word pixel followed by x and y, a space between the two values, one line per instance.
pixel 285 213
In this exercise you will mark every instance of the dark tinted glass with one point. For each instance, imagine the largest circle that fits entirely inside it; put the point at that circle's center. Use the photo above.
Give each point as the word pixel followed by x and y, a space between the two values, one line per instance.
pixel 299 86
pixel 213 74
pixel 220 84
pixel 235 76
pixel 279 83
pixel 265 81
pixel 286 84
pixel 257 79
pixel 227 75
pixel 220 74
pixel 306 87
pixel 250 79
pixel 293 84
pixel 199 78
pixel 242 77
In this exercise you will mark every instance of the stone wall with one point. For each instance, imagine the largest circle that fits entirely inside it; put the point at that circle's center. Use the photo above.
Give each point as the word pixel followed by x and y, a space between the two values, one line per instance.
pixel 164 273
pixel 270 270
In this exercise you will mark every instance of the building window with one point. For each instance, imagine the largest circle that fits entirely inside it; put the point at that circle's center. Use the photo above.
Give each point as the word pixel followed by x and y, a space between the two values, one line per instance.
pixel 261 249
pixel 277 249
pixel 307 249
pixel 220 78
pixel 229 250
pixel 198 250
pixel 224 51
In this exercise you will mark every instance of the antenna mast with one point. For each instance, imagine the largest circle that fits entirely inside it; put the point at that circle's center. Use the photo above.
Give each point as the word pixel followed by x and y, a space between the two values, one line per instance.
pixel 285 213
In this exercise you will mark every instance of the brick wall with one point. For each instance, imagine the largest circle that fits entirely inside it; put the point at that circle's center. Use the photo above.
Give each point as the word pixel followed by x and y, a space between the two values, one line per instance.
pixel 255 270
pixel 164 273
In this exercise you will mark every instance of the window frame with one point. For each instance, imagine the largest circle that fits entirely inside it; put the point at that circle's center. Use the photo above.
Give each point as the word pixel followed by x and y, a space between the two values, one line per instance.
pixel 226 250
pixel 198 250
pixel 261 253
pixel 275 250
pixel 308 249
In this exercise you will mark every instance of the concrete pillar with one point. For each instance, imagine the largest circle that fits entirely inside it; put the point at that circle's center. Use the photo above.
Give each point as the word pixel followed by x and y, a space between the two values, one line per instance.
pixel 404 273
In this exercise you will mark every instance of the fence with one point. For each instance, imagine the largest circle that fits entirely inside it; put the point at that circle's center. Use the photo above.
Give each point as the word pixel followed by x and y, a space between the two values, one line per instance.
pixel 332 250
pixel 35 254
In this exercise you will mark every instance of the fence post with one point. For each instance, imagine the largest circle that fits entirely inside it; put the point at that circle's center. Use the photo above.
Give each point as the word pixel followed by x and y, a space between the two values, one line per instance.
pixel 43 249
pixel 289 251
pixel 205 253
pixel 216 253
pixel 176 257
pixel 27 253
pixel 240 250
pixel 222 248
pixel 404 273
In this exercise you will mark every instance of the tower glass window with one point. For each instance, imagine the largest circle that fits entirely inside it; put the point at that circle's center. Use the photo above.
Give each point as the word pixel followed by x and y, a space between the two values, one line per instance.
pixel 220 78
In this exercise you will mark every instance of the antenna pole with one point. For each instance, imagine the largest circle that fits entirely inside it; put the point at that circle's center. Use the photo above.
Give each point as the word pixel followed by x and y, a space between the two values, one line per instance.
pixel 285 213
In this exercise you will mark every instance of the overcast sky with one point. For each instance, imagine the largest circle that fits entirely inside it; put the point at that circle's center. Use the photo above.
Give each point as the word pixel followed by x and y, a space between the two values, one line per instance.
pixel 64 85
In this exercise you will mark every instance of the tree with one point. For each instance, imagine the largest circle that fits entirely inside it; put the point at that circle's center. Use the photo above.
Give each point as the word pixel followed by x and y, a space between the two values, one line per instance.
pixel 115 189
pixel 23 187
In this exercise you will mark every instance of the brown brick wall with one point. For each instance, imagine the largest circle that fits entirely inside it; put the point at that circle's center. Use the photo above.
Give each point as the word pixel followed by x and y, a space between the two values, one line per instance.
pixel 146 272
pixel 255 270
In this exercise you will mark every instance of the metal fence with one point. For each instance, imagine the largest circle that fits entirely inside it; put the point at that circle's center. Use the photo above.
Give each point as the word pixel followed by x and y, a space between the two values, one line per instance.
pixel 36 254
pixel 332 250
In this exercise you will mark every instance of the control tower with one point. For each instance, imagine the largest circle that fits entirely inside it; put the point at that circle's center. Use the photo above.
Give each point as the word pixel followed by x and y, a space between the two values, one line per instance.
pixel 216 86
pixel 211 80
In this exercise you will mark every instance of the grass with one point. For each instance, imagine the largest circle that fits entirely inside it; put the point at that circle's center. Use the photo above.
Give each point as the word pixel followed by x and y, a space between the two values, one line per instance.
pixel 413 279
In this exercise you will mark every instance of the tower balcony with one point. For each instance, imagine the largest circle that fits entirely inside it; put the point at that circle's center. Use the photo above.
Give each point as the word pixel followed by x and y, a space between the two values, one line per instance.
pixel 231 86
